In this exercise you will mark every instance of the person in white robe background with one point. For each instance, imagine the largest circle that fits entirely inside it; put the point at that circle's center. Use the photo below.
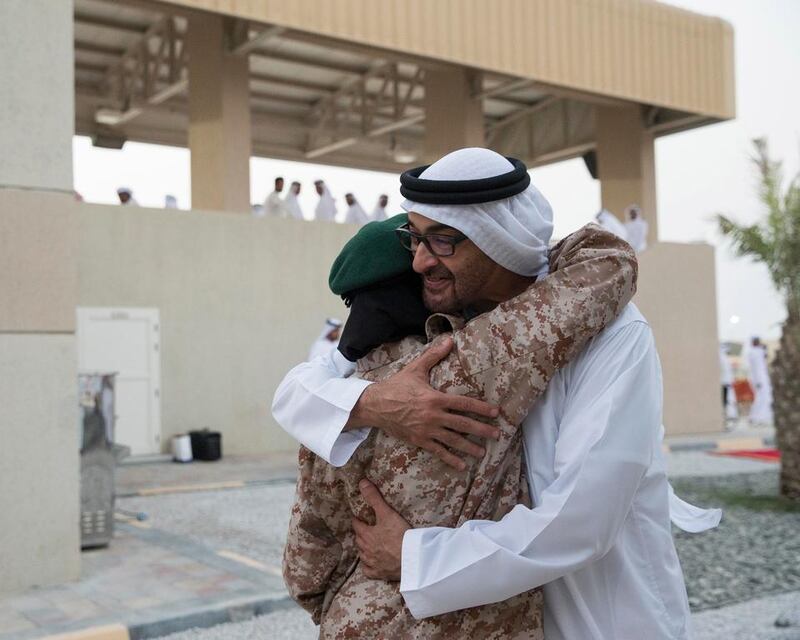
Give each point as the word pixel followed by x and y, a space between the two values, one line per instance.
pixel 291 204
pixel 327 340
pixel 599 537
pixel 729 406
pixel 355 213
pixel 636 228
pixel 126 198
pixel 379 212
pixel 326 207
pixel 273 205
pixel 761 411
pixel 611 223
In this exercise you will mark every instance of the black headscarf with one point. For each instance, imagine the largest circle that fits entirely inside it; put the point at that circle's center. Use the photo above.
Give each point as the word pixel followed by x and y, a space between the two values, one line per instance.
pixel 384 312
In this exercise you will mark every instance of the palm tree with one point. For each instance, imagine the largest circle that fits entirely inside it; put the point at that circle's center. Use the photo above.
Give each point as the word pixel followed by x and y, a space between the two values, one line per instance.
pixel 775 241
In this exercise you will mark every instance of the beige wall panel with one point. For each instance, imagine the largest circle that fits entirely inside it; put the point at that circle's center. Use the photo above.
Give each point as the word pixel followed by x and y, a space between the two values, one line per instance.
pixel 728 88
pixel 37 261
pixel 677 295
pixel 637 50
pixel 36 73
pixel 240 299
pixel 39 539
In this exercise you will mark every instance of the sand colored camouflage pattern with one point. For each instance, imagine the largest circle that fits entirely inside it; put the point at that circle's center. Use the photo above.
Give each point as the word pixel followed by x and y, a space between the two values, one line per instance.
pixel 505 356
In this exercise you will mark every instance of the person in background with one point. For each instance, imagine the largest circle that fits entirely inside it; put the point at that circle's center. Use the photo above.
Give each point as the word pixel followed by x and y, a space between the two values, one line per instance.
pixel 126 198
pixel 379 212
pixel 291 205
pixel 328 339
pixel 611 223
pixel 170 202
pixel 326 207
pixel 636 228
pixel 726 380
pixel 273 205
pixel 355 213
pixel 761 411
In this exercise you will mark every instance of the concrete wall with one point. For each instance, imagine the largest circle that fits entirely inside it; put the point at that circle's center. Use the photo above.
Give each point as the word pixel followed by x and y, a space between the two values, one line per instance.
pixel 241 300
pixel 39 538
pixel 677 294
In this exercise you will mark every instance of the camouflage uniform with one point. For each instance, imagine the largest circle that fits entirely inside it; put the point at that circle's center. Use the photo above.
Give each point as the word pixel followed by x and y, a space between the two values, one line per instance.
pixel 506 357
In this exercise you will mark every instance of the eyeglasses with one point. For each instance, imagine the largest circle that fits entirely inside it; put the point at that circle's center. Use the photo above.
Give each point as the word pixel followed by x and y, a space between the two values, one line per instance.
pixel 438 244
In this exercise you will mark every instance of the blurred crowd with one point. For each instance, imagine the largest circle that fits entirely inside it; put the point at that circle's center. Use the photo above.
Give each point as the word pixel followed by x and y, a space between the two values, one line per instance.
pixel 280 205
pixel 633 230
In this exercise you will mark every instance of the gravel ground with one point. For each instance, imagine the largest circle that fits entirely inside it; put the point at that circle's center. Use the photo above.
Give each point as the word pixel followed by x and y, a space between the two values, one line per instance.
pixel 251 521
pixel 292 624
pixel 701 463
pixel 753 553
pixel 754 620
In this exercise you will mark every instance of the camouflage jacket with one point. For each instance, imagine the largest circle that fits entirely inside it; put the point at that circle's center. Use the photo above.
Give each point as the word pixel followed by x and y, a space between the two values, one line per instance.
pixel 505 356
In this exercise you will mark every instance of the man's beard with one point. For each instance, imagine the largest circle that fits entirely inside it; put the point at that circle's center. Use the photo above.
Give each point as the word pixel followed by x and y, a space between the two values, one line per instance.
pixel 436 302
pixel 456 295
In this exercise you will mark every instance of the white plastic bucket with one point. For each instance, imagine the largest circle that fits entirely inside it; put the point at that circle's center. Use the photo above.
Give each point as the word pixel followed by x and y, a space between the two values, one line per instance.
pixel 182 448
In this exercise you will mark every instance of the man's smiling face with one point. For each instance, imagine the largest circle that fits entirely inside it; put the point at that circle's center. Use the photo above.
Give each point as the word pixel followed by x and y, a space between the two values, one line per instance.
pixel 452 283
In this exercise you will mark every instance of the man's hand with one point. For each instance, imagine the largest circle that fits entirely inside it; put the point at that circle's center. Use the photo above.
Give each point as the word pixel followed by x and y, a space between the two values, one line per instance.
pixel 407 407
pixel 380 547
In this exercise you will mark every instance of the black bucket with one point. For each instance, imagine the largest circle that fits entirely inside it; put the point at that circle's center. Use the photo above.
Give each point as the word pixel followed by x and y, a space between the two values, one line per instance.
pixel 206 445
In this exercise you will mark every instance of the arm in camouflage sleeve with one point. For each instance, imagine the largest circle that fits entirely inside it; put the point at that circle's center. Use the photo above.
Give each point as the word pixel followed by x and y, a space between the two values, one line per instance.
pixel 593 276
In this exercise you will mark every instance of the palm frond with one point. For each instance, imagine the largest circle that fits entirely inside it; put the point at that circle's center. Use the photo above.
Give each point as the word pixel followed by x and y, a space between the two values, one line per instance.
pixel 746 240
pixel 775 241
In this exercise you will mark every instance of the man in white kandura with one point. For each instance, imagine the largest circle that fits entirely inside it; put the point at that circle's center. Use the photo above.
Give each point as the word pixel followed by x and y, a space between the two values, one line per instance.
pixel 355 213
pixel 761 411
pixel 291 204
pixel 611 223
pixel 636 228
pixel 273 205
pixel 126 198
pixel 326 207
pixel 327 340
pixel 379 212
pixel 599 537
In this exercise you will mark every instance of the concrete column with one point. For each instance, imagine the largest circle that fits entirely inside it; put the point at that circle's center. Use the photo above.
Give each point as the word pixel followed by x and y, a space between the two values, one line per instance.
pixel 37 117
pixel 453 118
pixel 626 164
pixel 39 537
pixel 219 118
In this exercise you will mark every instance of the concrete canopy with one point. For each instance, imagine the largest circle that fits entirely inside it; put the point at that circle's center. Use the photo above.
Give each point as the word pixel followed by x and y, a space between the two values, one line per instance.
pixel 350 82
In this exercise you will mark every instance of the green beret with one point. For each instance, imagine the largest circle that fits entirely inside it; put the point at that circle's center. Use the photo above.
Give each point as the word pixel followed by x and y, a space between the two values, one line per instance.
pixel 372 255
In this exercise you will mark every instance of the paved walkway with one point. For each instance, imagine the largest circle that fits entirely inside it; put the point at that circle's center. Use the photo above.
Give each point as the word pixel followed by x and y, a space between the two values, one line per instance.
pixel 146 576
pixel 231 471
pixel 740 435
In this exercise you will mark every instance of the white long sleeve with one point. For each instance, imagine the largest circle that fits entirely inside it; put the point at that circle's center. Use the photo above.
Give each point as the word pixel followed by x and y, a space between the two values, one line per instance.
pixel 604 441
pixel 313 404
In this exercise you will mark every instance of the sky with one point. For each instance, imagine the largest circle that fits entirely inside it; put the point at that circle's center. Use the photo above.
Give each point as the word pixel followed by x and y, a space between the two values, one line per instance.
pixel 698 173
